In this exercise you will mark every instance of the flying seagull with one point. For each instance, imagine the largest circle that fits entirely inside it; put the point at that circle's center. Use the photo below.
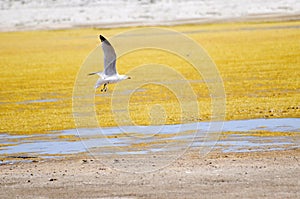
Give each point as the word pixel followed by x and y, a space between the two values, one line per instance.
pixel 110 74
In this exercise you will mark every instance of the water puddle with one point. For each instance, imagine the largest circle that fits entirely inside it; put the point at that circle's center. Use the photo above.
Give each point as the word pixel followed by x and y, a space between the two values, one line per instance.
pixel 237 136
pixel 37 101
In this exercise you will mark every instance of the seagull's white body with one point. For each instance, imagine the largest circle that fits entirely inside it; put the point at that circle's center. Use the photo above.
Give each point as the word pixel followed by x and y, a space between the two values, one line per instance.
pixel 110 74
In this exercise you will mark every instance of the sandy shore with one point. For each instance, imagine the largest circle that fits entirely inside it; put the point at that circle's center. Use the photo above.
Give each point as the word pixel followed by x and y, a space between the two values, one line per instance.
pixel 217 175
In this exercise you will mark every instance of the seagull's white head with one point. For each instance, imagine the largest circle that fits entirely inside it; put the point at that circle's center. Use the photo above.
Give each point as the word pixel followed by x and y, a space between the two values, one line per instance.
pixel 123 77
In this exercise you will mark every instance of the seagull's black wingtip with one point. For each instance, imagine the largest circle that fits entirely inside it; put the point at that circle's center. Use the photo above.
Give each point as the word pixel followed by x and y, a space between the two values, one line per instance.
pixel 102 38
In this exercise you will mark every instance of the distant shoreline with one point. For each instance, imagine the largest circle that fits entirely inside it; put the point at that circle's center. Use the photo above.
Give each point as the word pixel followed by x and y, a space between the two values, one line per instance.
pixel 257 18
pixel 195 21
pixel 28 15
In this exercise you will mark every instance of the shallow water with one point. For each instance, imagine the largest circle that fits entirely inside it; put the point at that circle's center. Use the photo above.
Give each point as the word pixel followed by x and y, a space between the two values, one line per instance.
pixel 153 139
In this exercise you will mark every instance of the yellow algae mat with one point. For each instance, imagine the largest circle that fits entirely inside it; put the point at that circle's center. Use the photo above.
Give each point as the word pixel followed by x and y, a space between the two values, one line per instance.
pixel 258 62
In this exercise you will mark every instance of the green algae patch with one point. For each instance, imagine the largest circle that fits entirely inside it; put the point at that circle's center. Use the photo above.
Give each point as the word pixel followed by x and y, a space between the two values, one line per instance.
pixel 69 138
pixel 6 145
pixel 261 133
pixel 258 62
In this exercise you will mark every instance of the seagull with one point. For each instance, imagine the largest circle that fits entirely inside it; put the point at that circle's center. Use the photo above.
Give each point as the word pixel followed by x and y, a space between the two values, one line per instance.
pixel 110 74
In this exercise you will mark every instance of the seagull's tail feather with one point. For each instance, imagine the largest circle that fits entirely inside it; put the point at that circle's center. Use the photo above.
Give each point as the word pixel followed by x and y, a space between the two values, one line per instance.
pixel 96 73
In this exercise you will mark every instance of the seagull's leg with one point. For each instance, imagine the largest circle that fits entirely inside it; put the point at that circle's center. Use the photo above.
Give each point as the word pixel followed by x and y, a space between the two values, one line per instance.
pixel 104 88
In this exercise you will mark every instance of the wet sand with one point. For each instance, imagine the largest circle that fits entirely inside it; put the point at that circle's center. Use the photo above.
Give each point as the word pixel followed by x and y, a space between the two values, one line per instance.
pixel 216 175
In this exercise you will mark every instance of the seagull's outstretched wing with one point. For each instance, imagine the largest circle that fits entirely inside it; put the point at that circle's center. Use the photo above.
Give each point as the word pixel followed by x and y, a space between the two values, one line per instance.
pixel 109 57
